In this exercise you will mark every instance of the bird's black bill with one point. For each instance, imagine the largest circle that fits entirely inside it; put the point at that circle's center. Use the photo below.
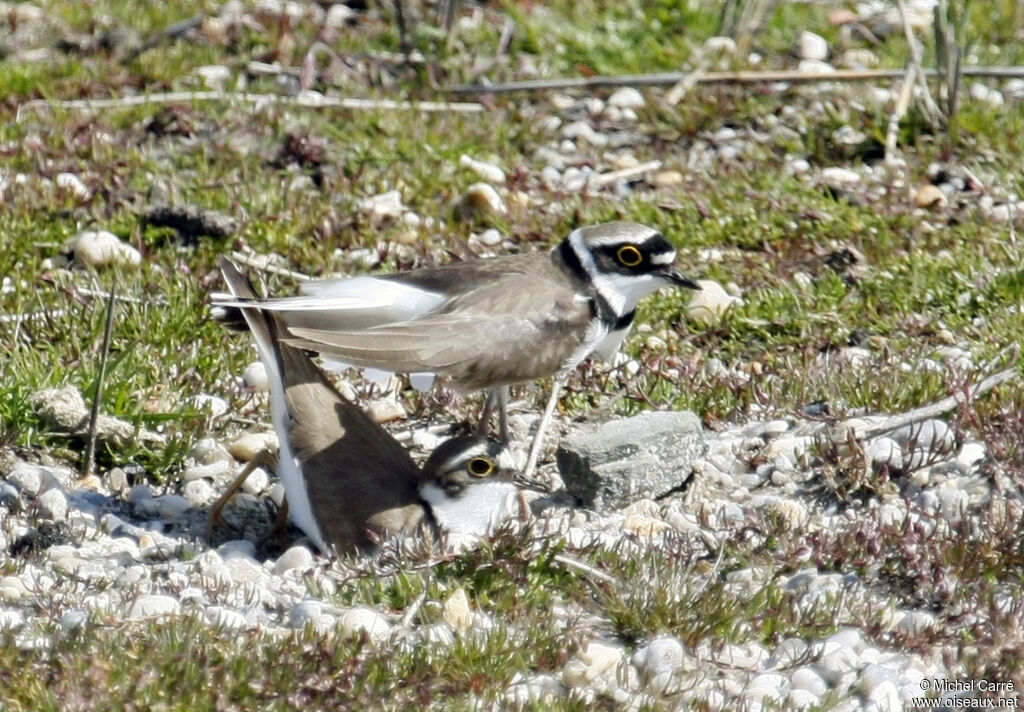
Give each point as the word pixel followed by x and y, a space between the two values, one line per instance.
pixel 681 280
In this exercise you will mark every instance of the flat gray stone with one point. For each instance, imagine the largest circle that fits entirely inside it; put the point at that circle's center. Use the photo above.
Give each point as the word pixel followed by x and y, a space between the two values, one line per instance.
pixel 610 465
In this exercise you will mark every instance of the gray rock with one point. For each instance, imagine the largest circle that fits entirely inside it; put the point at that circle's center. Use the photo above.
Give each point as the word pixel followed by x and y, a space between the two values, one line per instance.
pixel 8 495
pixel 53 504
pixel 27 478
pixel 610 465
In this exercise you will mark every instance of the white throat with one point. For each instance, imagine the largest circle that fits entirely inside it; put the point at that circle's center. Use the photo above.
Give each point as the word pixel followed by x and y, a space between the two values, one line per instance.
pixel 478 511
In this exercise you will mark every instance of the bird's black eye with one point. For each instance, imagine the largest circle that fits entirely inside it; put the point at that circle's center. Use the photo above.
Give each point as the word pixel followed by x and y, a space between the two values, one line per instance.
pixel 629 256
pixel 480 467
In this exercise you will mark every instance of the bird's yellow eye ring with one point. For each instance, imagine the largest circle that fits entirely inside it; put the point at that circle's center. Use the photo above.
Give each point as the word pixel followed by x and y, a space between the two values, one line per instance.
pixel 629 256
pixel 480 467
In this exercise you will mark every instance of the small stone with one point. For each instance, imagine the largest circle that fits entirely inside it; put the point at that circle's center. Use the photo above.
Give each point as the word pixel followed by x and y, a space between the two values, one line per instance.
pixel 256 482
pixel 457 612
pixel 386 206
pixel 627 98
pixel 659 662
pixel 153 606
pixel 710 303
pixel 581 130
pixel 487 171
pixel 214 76
pixel 247 446
pixel 12 588
pixel 338 15
pixel 198 493
pixel 815 66
pixel 208 472
pixel 971 454
pixel 982 92
pixel 255 377
pixel 837 177
pixel 27 478
pixel 99 248
pixel 590 663
pixel 296 557
pixel 11 620
pixel 355 622
pixel 809 679
pixel 384 410
pixel 482 199
pixel 168 506
pixel 225 618
pixel 72 184
pixel 667 179
pixel 933 436
pixel 117 479
pixel 812 46
pixel 208 450
pixel 885 452
pixel 53 505
pixel 769 686
pixel 915 622
pixel 930 196
pixel 305 612
pixel 74 619
pixel 214 406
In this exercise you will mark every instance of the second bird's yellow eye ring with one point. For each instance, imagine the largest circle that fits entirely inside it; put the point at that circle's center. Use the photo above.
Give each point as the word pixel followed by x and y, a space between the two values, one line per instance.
pixel 480 467
pixel 629 256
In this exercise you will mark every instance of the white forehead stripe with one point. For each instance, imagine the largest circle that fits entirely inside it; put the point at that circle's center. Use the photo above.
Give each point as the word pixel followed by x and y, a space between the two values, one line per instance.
pixel 663 258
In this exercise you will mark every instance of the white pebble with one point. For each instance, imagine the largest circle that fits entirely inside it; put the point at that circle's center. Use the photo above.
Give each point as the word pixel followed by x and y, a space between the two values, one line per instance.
pixel 249 445
pixel 214 406
pixel 207 472
pixel 583 130
pixel 837 177
pixel 12 588
pixel 11 620
pixel 99 248
pixel 627 98
pixel 885 452
pixel 356 621
pixel 590 663
pixel 53 505
pixel 295 557
pixel 225 618
pixel 809 679
pixel 152 606
pixel 27 478
pixel 982 92
pixel 659 662
pixel 72 184
pixel 199 493
pixel 482 197
pixel 710 302
pixel 386 206
pixel 384 410
pixel 214 76
pixel 487 171
pixel 256 482
pixel 812 46
pixel 208 450
pixel 814 66
pixel 971 453
pixel 255 377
